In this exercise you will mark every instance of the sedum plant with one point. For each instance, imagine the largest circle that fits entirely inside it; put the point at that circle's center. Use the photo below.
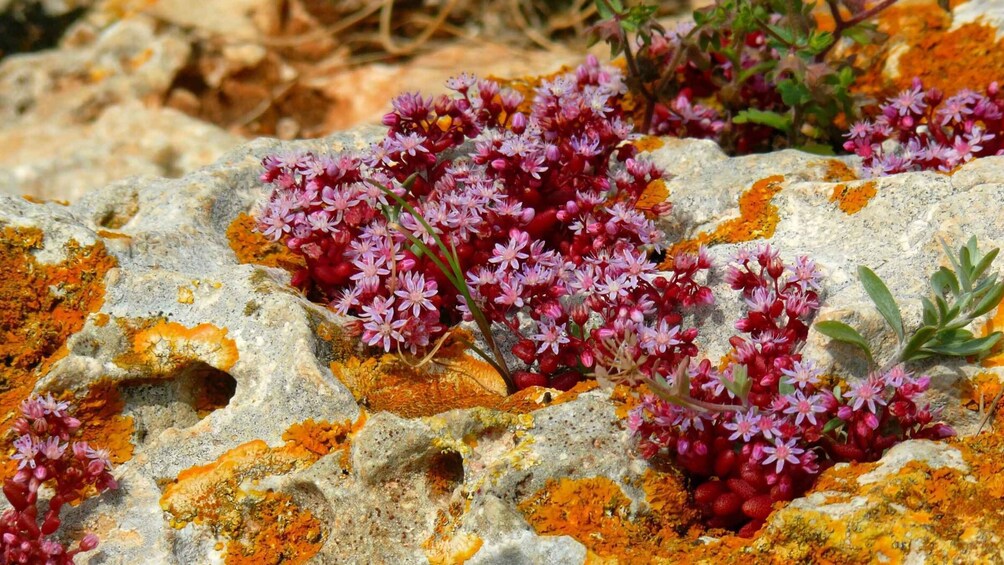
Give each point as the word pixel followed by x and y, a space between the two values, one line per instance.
pixel 757 428
pixel 754 75
pixel 919 129
pixel 958 296
pixel 476 207
pixel 46 458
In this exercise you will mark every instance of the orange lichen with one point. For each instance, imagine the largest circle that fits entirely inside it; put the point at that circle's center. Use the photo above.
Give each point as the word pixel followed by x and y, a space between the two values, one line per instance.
pixel 852 198
pixel 164 347
pixel 936 57
pixel 41 305
pixel 921 44
pixel 838 171
pixel 113 235
pixel 654 194
pixel 596 512
pixel 252 247
pixel 36 200
pixel 275 531
pixel 649 143
pixel 260 527
pixel 102 424
pixel 757 219
pixel 453 379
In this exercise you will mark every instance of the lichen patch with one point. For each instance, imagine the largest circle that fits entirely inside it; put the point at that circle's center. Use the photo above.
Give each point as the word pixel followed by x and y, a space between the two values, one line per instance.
pixel 758 218
pixel 852 198
pixel 258 526
pixel 41 305
pixel 164 347
pixel 252 247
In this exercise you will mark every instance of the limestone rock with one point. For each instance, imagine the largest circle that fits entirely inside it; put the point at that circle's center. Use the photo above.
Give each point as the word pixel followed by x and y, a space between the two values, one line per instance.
pixel 215 381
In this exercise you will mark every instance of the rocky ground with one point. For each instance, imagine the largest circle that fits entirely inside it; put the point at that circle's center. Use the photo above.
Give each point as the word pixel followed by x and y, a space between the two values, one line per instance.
pixel 247 426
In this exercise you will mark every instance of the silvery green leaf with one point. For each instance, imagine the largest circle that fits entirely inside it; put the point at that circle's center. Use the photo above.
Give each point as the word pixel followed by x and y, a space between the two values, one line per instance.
pixel 989 301
pixel 983 264
pixel 844 333
pixel 883 300
pixel 930 312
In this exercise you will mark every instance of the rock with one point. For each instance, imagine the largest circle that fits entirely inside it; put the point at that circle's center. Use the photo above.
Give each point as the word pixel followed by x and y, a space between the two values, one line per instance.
pixel 64 161
pixel 216 384
pixel 80 117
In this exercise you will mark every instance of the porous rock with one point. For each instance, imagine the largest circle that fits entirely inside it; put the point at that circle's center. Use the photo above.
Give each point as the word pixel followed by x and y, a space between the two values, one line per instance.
pixel 180 311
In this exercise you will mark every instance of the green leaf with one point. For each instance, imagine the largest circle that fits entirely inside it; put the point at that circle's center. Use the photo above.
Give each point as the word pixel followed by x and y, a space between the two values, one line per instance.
pixel 820 41
pixel 840 331
pixel 966 348
pixel 858 34
pixel 930 312
pixel 944 278
pixel 942 309
pixel 918 341
pixel 771 119
pixel 833 424
pixel 785 388
pixel 989 301
pixel 607 8
pixel 882 298
pixel 951 256
pixel 793 93
pixel 983 264
pixel 816 149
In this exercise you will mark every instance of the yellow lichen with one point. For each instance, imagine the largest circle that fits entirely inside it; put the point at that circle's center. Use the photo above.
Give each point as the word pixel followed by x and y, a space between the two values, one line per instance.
pixel 757 219
pixel 185 295
pixel 851 198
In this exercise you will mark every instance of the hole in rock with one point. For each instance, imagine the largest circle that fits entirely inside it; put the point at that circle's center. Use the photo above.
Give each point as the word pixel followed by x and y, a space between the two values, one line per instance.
pixel 117 214
pixel 445 472
pixel 178 401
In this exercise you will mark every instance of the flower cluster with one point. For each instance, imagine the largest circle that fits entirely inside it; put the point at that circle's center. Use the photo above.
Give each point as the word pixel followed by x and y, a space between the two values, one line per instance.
pixel 45 456
pixel 753 75
pixel 759 428
pixel 922 130
pixel 538 207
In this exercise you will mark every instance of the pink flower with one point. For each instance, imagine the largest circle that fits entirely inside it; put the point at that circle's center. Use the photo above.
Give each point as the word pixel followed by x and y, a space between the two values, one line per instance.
pixel 782 452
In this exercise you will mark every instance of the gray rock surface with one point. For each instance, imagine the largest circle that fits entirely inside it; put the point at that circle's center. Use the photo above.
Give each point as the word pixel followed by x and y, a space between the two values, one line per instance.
pixel 80 116
pixel 381 506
